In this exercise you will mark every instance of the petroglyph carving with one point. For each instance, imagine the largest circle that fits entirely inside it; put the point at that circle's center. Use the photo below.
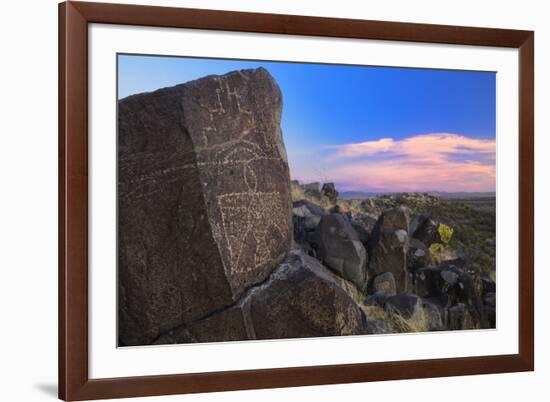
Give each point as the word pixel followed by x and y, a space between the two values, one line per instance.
pixel 261 214
pixel 204 199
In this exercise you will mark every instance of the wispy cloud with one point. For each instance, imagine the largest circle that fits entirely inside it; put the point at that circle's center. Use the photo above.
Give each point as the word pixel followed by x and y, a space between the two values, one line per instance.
pixel 441 161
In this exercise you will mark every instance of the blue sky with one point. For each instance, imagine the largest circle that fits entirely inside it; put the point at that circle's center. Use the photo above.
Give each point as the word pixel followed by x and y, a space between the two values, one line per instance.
pixel 397 124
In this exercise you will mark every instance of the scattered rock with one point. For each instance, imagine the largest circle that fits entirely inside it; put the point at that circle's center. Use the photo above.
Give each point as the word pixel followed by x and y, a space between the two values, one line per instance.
pixel 434 316
pixel 305 218
pixel 403 304
pixel 490 299
pixel 312 190
pixel 488 286
pixel 362 233
pixel 459 318
pixel 418 255
pixel 384 283
pixel 329 191
pixel 339 248
pixel 435 281
pixel 395 219
pixel 376 299
pixel 204 199
pixel 342 208
pixel 426 231
pixel 364 221
pixel 388 247
pixel 310 212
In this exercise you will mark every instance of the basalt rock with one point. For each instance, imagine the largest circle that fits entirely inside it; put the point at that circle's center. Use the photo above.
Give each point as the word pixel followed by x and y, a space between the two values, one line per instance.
pixel 460 318
pixel 425 229
pixel 455 283
pixel 299 299
pixel 388 247
pixel 384 283
pixel 305 219
pixel 342 208
pixel 304 300
pixel 340 249
pixel 405 305
pixel 329 191
pixel 367 222
pixel 362 233
pixel 309 212
pixel 313 190
pixel 418 255
pixel 203 199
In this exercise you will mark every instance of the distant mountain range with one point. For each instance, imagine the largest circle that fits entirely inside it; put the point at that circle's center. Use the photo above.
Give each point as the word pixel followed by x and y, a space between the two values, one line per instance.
pixel 442 194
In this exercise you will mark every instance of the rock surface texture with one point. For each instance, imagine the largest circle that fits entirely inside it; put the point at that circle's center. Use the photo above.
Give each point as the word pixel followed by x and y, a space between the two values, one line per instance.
pixel 340 249
pixel 204 201
pixel 299 299
pixel 389 245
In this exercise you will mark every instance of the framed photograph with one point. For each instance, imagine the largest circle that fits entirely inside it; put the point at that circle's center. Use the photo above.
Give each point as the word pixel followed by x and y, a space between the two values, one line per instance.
pixel 260 200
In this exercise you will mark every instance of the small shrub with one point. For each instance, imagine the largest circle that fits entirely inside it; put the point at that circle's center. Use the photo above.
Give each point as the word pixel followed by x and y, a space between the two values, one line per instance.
pixel 445 232
pixel 436 250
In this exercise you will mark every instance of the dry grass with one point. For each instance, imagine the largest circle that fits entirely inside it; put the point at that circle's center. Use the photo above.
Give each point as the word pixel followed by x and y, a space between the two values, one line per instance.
pixel 297 193
pixel 417 323
pixel 350 288
pixel 355 208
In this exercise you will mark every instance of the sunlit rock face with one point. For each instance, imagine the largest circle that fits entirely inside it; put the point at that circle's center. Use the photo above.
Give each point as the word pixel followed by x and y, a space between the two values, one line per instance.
pixel 204 203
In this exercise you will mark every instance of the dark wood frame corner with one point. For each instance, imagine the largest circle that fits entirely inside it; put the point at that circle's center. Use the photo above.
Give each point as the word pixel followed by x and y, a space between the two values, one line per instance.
pixel 74 382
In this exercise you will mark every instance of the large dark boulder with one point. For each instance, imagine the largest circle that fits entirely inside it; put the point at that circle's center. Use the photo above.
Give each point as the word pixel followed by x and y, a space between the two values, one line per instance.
pixel 301 298
pixel 309 212
pixel 384 283
pixel 362 232
pixel 365 221
pixel 460 318
pixel 342 208
pixel 425 229
pixel 305 218
pixel 421 314
pixel 388 247
pixel 488 286
pixel 304 300
pixel 406 305
pixel 434 316
pixel 312 190
pixel 203 199
pixel 329 192
pixel 340 249
pixel 453 280
pixel 435 281
pixel 418 255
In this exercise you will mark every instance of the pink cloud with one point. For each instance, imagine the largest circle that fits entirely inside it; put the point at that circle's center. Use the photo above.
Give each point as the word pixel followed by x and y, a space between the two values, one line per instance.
pixel 443 162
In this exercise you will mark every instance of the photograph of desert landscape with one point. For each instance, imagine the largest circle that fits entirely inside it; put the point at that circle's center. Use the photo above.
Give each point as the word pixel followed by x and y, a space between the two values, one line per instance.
pixel 273 200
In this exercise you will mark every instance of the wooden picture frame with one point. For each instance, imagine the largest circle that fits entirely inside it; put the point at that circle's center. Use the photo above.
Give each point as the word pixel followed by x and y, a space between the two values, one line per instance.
pixel 74 381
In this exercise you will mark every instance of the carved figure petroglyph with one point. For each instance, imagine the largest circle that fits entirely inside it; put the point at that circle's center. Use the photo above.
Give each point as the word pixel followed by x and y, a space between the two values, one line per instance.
pixel 262 213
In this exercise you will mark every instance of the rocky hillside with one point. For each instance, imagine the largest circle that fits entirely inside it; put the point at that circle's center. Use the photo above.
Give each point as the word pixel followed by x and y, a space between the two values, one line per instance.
pixel 419 262
pixel 217 244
